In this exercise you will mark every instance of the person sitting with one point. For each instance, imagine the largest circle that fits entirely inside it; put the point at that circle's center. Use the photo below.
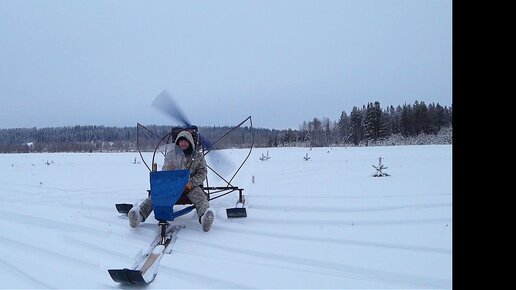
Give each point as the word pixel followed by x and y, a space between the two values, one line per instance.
pixel 195 162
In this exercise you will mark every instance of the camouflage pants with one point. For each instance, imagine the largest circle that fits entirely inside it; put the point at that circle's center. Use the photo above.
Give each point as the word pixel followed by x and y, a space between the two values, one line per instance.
pixel 196 195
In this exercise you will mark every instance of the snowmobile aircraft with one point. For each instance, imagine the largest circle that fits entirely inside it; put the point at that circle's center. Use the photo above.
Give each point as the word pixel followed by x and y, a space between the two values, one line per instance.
pixel 166 187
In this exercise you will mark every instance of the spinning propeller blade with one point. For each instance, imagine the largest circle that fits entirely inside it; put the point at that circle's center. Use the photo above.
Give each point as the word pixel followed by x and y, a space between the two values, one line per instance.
pixel 166 104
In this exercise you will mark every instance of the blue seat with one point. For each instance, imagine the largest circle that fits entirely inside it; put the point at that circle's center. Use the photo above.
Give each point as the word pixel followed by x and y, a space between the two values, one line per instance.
pixel 166 189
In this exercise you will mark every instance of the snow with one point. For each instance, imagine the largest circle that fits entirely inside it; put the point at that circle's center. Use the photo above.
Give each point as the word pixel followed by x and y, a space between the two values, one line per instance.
pixel 321 223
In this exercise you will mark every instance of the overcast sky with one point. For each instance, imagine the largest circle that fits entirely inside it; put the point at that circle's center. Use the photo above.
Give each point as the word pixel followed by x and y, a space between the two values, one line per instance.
pixel 65 63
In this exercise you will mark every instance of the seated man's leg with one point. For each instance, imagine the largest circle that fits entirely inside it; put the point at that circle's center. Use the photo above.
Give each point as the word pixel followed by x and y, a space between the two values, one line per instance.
pixel 140 212
pixel 199 199
pixel 146 207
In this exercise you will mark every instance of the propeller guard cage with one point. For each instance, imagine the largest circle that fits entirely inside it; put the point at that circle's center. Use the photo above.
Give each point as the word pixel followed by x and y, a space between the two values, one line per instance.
pixel 212 192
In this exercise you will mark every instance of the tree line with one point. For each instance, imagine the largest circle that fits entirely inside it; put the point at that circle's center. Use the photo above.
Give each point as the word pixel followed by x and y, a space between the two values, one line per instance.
pixel 372 124
pixel 369 125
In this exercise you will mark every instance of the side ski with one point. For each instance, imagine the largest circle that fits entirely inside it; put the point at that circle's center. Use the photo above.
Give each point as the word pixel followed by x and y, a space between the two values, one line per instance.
pixel 123 208
pixel 145 268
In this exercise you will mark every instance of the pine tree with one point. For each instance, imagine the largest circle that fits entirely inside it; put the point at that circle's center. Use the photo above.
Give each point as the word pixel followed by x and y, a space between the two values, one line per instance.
pixel 343 127
pixel 406 124
pixel 372 121
pixel 356 125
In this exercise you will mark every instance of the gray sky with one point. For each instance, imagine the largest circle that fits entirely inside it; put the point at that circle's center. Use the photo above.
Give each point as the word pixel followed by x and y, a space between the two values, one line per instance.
pixel 65 63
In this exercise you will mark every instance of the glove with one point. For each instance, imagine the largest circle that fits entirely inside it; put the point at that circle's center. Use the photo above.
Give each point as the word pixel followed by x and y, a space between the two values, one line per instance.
pixel 188 187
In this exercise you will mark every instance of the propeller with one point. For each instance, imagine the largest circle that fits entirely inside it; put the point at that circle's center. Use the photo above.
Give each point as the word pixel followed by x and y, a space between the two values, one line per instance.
pixel 166 104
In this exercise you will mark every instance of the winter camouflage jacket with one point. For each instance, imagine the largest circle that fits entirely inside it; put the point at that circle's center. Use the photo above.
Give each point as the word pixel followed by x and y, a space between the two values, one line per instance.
pixel 194 162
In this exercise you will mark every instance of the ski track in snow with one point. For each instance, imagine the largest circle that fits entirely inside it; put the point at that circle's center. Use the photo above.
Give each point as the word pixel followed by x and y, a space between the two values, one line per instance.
pixel 331 268
pixel 199 277
pixel 351 223
pixel 347 196
pixel 321 209
pixel 392 232
pixel 19 272
pixel 324 240
pixel 27 220
pixel 35 250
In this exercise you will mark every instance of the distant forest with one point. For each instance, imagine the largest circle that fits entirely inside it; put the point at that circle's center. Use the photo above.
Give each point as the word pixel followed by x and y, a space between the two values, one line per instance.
pixel 367 126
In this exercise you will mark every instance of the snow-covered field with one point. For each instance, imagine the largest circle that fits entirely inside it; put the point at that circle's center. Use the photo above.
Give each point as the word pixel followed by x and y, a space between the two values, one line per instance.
pixel 322 223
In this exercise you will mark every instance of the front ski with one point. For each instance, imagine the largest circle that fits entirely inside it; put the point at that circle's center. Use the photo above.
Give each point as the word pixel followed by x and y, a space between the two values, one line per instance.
pixel 145 268
pixel 127 276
